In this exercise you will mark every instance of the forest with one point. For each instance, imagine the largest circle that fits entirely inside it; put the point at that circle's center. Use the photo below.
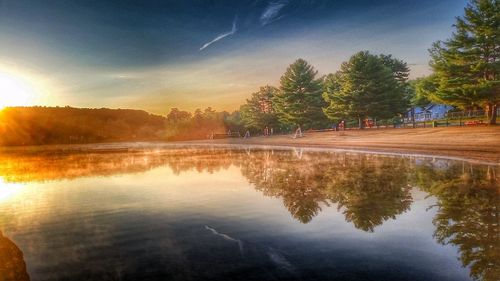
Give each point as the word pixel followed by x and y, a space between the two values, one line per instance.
pixel 57 125
pixel 66 125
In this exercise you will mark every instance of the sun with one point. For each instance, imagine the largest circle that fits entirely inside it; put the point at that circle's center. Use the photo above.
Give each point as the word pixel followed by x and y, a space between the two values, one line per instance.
pixel 15 91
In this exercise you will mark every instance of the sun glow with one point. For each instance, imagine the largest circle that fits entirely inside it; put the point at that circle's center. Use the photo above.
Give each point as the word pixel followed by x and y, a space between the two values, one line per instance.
pixel 16 91
pixel 9 190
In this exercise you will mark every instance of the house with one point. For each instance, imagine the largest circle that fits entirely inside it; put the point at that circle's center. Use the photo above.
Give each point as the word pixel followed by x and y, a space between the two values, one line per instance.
pixel 429 112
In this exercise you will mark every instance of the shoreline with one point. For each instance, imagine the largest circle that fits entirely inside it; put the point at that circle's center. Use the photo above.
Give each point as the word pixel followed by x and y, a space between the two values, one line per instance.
pixel 402 153
pixel 479 144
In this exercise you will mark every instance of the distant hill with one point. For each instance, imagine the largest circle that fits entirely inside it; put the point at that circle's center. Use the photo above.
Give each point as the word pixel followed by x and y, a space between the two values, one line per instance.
pixel 63 125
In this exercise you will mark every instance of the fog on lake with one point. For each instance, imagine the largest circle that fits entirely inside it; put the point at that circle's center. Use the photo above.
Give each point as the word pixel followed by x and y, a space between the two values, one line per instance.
pixel 244 213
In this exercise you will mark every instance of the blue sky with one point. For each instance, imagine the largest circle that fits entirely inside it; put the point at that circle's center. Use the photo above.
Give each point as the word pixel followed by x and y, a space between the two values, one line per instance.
pixel 155 55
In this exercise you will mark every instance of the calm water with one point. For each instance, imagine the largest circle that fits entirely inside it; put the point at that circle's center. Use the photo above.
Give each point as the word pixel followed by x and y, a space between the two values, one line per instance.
pixel 159 213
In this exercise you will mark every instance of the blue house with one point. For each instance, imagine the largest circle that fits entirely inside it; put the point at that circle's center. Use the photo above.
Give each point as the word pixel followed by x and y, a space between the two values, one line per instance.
pixel 429 112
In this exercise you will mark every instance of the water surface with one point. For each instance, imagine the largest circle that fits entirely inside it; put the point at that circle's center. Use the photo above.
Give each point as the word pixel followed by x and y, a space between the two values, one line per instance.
pixel 218 213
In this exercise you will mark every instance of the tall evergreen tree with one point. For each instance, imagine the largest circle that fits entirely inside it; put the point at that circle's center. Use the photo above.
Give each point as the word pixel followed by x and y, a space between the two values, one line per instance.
pixel 399 68
pixel 364 87
pixel 424 89
pixel 299 101
pixel 467 64
pixel 258 111
pixel 401 72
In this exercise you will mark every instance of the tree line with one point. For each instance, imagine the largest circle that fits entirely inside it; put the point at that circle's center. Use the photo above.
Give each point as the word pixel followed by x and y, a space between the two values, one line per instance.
pixel 377 87
pixel 56 125
pixel 465 75
pixel 366 86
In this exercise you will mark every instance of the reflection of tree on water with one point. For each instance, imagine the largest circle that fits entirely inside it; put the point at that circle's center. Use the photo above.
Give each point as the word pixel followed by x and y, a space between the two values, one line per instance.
pixel 282 175
pixel 468 214
pixel 12 265
pixel 29 166
pixel 369 189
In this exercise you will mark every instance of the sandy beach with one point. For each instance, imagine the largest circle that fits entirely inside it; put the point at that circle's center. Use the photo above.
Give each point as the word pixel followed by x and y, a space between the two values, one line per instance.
pixel 480 143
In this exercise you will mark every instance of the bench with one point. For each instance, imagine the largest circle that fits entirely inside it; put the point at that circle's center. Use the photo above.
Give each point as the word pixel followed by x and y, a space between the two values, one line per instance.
pixel 225 135
pixel 319 130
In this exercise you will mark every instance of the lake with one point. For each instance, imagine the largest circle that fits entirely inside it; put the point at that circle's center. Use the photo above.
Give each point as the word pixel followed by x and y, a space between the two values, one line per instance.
pixel 160 212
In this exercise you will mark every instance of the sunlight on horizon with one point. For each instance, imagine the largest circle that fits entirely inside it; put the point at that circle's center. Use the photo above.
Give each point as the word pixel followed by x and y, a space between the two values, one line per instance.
pixel 23 88
pixel 15 91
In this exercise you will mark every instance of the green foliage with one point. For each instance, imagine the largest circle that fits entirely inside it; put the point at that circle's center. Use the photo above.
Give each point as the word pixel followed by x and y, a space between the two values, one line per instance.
pixel 258 111
pixel 365 87
pixel 399 68
pixel 401 72
pixel 299 100
pixel 467 64
pixel 425 88
pixel 335 98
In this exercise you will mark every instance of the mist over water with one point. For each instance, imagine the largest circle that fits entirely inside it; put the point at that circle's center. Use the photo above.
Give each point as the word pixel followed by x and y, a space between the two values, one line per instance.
pixel 219 213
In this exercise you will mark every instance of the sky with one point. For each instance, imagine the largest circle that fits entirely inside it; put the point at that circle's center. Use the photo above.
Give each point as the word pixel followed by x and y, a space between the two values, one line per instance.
pixel 156 55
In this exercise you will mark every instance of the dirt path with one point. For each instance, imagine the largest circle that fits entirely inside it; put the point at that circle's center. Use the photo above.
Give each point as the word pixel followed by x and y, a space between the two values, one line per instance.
pixel 474 143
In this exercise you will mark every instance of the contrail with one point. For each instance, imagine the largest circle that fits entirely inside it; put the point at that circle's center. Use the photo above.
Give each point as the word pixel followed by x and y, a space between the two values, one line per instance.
pixel 227 237
pixel 271 12
pixel 221 36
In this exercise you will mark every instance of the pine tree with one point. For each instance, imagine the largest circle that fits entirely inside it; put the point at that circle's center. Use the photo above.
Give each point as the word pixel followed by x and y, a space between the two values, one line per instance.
pixel 258 111
pixel 364 87
pixel 401 72
pixel 467 64
pixel 299 101
pixel 399 68
pixel 424 88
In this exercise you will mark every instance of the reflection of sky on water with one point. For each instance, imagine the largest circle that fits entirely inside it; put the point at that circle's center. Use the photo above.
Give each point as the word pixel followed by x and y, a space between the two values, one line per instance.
pixel 161 219
pixel 9 190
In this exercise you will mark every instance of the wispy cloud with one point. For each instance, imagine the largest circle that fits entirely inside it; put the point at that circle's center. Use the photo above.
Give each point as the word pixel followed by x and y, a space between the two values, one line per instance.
pixel 222 36
pixel 272 12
